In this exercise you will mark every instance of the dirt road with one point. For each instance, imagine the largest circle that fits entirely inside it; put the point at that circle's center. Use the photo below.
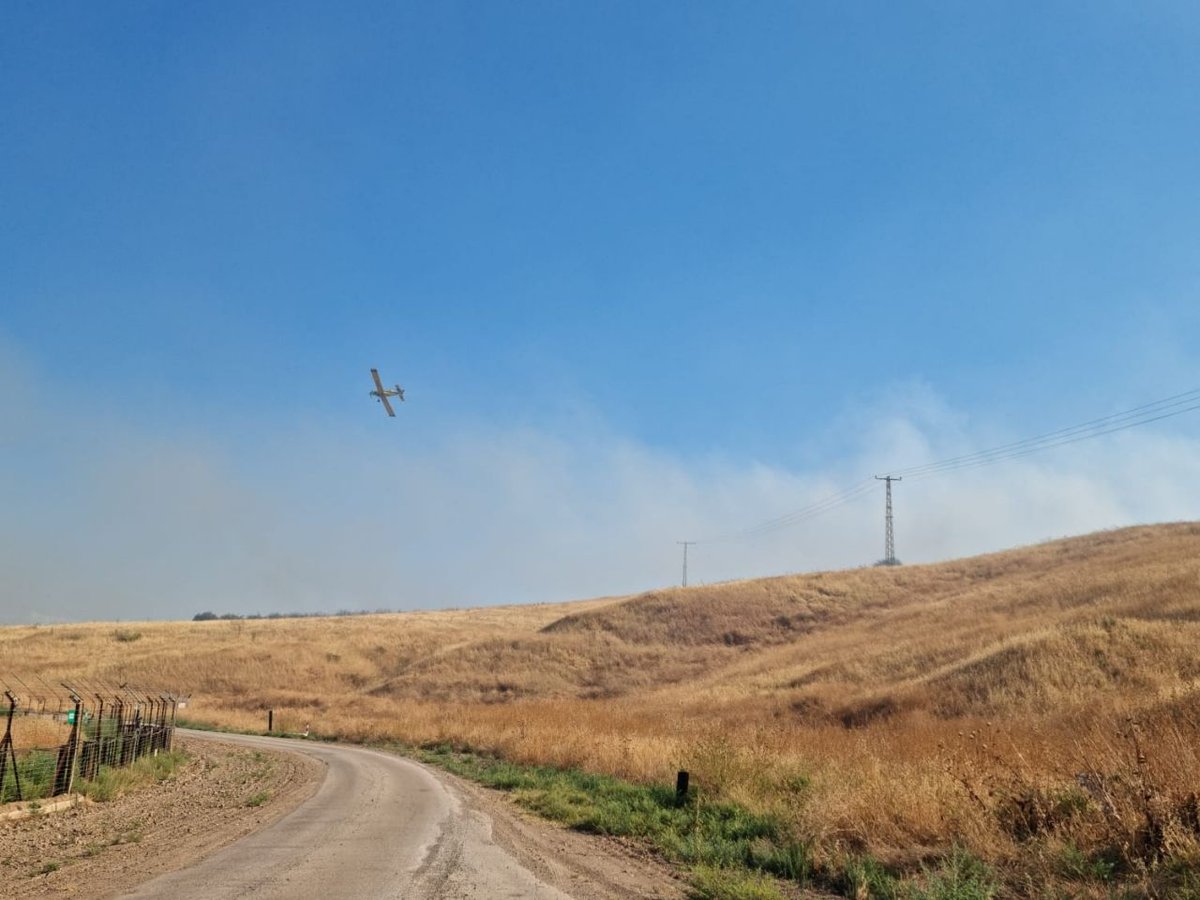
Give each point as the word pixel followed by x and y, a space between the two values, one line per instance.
pixel 382 826
pixel 220 794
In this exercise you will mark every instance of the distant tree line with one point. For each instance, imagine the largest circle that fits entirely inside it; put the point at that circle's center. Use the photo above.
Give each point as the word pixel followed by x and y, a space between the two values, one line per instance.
pixel 208 616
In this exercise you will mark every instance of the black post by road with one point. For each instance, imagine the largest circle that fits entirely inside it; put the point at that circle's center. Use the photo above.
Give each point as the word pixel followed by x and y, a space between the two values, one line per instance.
pixel 270 720
pixel 681 787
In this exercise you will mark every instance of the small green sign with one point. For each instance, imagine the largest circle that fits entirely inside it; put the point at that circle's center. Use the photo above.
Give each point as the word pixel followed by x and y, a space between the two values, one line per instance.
pixel 70 717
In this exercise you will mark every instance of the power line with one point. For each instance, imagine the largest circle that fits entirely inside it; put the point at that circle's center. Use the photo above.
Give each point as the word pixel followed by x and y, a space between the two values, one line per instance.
pixel 1156 411
pixel 1132 418
pixel 807 512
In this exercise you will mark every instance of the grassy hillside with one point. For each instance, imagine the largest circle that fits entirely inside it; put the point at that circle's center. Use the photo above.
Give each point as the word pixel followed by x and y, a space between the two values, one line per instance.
pixel 1037 706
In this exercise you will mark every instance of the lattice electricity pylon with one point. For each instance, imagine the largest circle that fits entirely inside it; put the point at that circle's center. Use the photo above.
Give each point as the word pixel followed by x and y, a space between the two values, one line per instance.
pixel 889 538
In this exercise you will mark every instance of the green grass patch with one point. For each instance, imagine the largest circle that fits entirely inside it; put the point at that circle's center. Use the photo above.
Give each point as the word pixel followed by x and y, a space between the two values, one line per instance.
pixel 865 876
pixel 731 852
pixel 730 849
pixel 47 868
pixel 111 782
pixel 961 876
pixel 258 799
pixel 1076 865
pixel 710 883
pixel 35 769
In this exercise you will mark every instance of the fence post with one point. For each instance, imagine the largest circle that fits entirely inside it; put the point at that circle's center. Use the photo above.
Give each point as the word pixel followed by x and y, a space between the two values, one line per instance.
pixel 128 731
pixel 136 730
pixel 681 787
pixel 270 720
pixel 118 738
pixel 64 774
pixel 174 713
pixel 98 735
pixel 6 747
pixel 163 732
pixel 156 709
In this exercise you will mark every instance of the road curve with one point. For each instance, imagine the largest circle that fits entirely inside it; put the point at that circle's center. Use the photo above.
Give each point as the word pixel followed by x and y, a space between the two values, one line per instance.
pixel 379 826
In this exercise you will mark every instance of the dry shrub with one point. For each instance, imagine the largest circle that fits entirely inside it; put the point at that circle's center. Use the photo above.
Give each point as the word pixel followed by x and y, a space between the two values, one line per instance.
pixel 31 732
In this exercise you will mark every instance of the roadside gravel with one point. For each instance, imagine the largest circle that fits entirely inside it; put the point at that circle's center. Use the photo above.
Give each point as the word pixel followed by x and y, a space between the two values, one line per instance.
pixel 582 866
pixel 229 789
pixel 223 792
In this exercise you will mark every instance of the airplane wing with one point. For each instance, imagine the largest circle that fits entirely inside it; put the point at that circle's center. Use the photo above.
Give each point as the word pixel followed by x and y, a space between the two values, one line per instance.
pixel 384 400
pixel 378 383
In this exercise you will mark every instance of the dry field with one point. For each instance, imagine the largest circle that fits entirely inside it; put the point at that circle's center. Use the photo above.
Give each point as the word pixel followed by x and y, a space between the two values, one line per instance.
pixel 1038 707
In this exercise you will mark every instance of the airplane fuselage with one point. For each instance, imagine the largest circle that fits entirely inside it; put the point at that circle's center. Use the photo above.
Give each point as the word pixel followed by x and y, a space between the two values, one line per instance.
pixel 381 393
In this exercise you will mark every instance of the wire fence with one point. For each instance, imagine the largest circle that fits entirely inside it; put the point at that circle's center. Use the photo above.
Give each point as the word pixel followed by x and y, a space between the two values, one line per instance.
pixel 54 737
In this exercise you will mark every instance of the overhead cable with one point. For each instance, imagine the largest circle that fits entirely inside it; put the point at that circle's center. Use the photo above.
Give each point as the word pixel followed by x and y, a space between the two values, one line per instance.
pixel 1166 408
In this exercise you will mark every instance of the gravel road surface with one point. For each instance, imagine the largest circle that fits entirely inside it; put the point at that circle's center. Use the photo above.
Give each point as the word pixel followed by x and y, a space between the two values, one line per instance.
pixel 383 826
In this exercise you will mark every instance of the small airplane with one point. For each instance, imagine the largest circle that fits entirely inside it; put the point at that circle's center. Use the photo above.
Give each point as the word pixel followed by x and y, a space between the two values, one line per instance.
pixel 381 393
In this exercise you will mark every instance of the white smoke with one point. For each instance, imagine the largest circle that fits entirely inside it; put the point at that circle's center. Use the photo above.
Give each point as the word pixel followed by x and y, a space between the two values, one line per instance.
pixel 106 518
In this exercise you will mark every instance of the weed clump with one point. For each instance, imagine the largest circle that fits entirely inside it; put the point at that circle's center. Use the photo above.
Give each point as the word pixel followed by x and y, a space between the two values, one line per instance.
pixel 112 782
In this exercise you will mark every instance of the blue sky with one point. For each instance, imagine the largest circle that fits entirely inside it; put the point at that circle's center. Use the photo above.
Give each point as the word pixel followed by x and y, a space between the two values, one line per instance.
pixel 646 271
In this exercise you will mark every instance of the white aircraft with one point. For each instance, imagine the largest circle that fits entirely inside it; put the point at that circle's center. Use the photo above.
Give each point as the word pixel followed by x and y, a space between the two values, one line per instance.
pixel 381 393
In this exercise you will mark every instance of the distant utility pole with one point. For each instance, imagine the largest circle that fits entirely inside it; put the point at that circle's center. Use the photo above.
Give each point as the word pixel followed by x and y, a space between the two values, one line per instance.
pixel 685 544
pixel 889 540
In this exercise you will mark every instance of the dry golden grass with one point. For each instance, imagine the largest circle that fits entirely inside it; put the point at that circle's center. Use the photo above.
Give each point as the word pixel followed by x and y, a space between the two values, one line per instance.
pixel 1019 703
